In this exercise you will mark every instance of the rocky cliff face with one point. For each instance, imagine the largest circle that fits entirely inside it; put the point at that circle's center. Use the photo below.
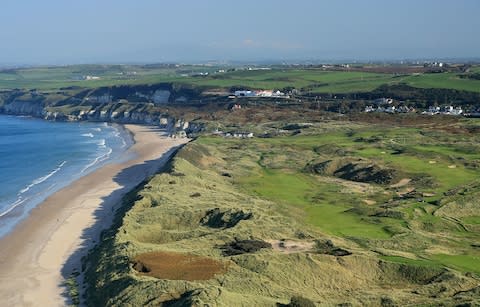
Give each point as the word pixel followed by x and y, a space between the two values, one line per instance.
pixel 122 113
pixel 18 107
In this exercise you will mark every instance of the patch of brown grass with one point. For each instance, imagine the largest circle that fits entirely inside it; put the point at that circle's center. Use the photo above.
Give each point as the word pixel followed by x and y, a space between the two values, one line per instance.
pixel 177 266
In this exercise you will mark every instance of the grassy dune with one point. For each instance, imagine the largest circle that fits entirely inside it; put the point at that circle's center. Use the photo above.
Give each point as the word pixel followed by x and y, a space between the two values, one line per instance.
pixel 267 220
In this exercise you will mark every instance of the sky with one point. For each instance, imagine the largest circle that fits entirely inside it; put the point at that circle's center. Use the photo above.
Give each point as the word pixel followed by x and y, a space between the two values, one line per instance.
pixel 153 31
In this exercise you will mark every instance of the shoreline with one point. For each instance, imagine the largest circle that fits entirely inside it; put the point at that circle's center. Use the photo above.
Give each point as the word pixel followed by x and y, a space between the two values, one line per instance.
pixel 20 206
pixel 47 246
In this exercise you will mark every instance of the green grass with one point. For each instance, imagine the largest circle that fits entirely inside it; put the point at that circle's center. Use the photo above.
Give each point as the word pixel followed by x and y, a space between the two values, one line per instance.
pixel 473 220
pixel 52 78
pixel 440 171
pixel 328 214
pixel 417 262
pixel 443 80
pixel 413 161
pixel 469 263
pixel 325 206
pixel 72 290
pixel 309 80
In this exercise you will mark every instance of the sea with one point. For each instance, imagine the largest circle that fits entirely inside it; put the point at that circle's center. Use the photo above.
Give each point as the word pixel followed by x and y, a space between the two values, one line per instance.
pixel 38 158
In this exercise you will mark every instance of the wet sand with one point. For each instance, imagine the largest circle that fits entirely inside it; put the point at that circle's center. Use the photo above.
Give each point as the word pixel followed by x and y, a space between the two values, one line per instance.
pixel 48 245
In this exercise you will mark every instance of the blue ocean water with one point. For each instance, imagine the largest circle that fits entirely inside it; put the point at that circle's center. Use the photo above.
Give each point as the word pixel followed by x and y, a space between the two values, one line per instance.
pixel 37 158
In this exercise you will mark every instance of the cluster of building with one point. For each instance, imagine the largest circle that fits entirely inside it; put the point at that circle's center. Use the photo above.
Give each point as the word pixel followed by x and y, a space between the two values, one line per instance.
pixel 236 135
pixel 434 64
pixel 87 77
pixel 385 105
pixel 389 109
pixel 239 135
pixel 260 93
pixel 445 110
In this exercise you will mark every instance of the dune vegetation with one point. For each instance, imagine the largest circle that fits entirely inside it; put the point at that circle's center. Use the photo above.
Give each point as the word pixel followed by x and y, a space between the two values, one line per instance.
pixel 331 213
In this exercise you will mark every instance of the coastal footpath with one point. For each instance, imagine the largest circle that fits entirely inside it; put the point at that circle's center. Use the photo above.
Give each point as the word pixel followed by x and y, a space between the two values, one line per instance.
pixel 48 246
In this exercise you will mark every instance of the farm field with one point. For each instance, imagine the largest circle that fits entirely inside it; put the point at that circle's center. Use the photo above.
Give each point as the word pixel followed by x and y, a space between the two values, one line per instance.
pixel 308 80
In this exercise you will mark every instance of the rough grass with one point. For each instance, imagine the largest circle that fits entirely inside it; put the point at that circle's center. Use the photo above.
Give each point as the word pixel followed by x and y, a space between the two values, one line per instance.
pixel 72 290
pixel 328 207
pixel 267 181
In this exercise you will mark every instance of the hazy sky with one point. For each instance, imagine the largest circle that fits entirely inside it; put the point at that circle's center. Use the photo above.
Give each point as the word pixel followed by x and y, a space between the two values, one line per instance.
pixel 86 31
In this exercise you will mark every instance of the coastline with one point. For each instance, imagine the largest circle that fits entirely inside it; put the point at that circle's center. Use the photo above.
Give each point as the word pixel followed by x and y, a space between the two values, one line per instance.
pixel 48 245
pixel 107 146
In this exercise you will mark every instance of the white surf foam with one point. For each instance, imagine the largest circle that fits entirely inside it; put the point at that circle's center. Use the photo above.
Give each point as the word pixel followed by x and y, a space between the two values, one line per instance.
pixel 20 200
pixel 101 143
pixel 17 203
pixel 98 159
pixel 42 179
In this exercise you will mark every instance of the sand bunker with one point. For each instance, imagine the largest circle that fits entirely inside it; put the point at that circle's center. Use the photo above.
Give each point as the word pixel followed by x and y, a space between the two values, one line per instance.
pixel 403 182
pixel 289 246
pixel 176 266
pixel 452 166
pixel 405 192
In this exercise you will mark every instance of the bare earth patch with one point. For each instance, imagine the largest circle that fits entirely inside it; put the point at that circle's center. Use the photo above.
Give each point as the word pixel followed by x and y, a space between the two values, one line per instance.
pixel 290 246
pixel 405 191
pixel 176 266
pixel 350 186
pixel 369 202
pixel 434 250
pixel 452 166
pixel 403 182
pixel 432 162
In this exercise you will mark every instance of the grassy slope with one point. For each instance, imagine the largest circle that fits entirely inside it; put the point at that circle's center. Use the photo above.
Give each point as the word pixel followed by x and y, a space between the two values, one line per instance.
pixel 443 80
pixel 329 213
pixel 267 178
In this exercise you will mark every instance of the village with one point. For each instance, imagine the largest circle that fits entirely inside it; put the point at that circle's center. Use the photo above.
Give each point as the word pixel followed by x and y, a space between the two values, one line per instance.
pixel 386 105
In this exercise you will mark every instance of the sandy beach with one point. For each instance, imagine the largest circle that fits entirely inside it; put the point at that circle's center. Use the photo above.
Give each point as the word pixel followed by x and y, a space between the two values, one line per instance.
pixel 48 245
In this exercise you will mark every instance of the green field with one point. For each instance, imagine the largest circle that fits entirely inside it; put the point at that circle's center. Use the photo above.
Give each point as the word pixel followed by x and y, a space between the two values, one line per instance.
pixel 443 80
pixel 308 80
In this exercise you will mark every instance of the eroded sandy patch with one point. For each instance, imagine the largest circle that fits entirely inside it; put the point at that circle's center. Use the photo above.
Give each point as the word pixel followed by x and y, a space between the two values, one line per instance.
pixel 177 266
pixel 403 182
pixel 290 246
